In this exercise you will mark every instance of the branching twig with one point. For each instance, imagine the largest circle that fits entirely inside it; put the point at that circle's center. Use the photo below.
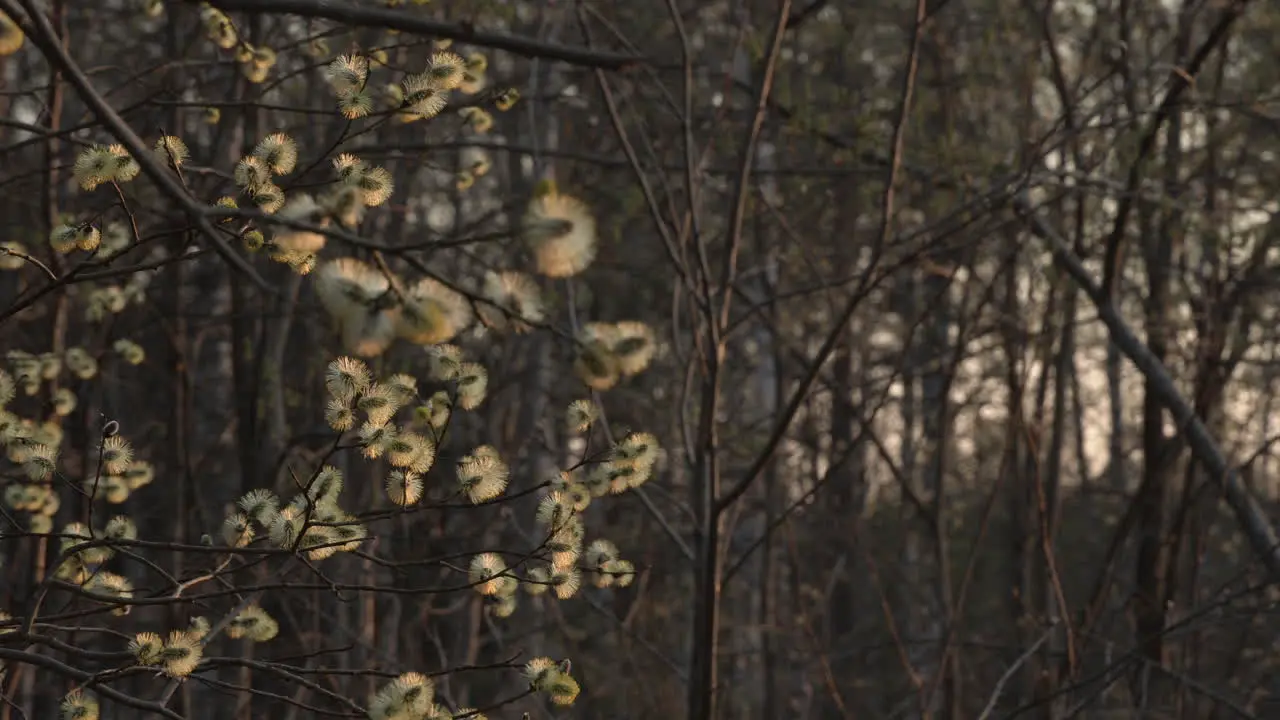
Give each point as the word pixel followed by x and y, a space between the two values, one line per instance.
pixel 1253 521
pixel 42 34
pixel 1008 674
pixel 367 16
pixel 34 261
pixel 1181 78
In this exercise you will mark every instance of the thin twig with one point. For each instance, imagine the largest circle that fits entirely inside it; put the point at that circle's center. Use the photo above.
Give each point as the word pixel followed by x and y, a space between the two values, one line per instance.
pixel 1008 674
pixel 42 34
pixel 30 259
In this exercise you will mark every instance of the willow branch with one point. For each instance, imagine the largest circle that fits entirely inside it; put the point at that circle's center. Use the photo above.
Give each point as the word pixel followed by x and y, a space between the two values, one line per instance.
pixel 368 16
pixel 43 36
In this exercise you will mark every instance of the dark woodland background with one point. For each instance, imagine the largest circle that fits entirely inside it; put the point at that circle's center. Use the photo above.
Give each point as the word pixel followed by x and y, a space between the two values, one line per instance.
pixel 900 257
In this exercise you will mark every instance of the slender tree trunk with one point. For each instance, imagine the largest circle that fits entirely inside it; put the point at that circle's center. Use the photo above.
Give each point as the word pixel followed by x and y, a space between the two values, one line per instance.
pixel 845 489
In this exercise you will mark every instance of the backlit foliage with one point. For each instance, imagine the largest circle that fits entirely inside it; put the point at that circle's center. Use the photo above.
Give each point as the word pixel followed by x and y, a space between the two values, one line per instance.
pixel 516 301
pixel 406 348
pixel 608 352
pixel 562 234
pixel 552 679
pixel 380 424
pixel 11 37
pixel 78 705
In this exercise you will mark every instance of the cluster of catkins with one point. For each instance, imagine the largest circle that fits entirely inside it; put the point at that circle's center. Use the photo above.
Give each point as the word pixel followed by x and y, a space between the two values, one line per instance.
pixel 627 465
pixel 255 62
pixel 412 695
pixel 35 446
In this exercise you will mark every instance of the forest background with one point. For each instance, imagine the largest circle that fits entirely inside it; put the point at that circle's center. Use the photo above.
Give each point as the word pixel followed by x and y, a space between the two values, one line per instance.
pixel 912 359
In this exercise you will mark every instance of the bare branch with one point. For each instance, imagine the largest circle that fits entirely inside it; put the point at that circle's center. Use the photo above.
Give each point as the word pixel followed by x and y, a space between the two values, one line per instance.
pixel 360 16
pixel 1180 79
pixel 865 282
pixel 89 680
pixel 1008 674
pixel 1253 521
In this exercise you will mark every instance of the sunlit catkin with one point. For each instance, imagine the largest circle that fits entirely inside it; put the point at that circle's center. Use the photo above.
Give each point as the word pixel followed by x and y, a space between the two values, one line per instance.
pixel 11 36
pixel 482 475
pixel 278 152
pixel 514 301
pixel 596 366
pixel 561 232
pixel 347 72
pixel 432 313
pixel 172 151
pixel 218 27
pixel 78 705
pixel 634 345
pixel 443 361
pixel 404 487
pixel 347 377
pixel 117 453
pixel 446 69
pixel 472 384
pixel 181 654
pixel 348 289
pixel 411 695
pixel 486 573
pixel 94 165
pixel 251 173
pixel 424 97
pixel 580 414
pixel 237 531
pixel 253 624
